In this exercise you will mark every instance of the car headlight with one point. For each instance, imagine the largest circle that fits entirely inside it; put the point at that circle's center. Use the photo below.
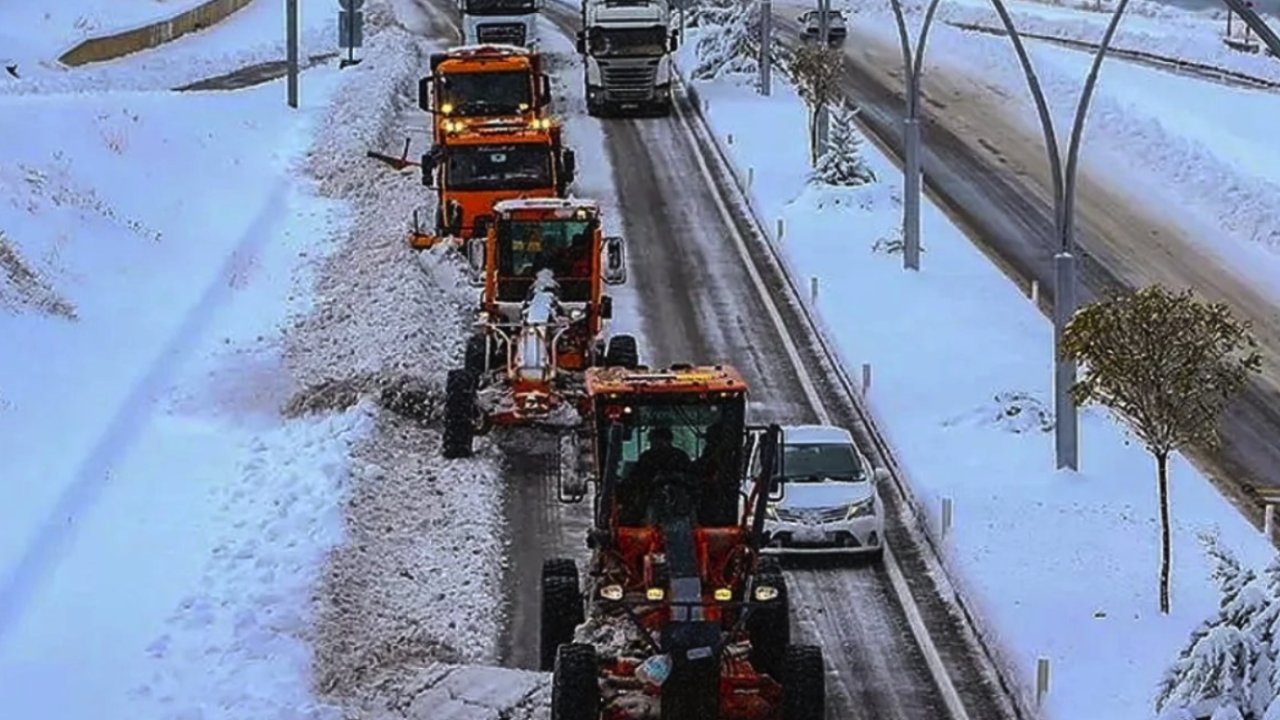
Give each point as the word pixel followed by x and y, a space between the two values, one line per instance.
pixel 861 509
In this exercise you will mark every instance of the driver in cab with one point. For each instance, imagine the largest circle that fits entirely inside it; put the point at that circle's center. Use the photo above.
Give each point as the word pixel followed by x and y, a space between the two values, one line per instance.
pixel 662 458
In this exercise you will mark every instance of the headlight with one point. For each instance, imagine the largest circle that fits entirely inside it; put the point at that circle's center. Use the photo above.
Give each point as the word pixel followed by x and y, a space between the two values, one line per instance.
pixel 611 592
pixel 446 108
pixel 862 509
pixel 654 594
pixel 723 594
pixel 765 593
pixel 576 314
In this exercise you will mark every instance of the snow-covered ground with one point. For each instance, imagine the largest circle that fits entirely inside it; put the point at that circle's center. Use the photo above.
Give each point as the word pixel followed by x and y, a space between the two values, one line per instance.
pixel 38 30
pixel 1212 171
pixel 1059 564
pixel 220 497
pixel 251 35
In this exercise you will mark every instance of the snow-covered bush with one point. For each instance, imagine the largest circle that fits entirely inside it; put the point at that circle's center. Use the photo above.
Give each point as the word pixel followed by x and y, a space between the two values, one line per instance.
pixel 728 32
pixel 1229 667
pixel 842 164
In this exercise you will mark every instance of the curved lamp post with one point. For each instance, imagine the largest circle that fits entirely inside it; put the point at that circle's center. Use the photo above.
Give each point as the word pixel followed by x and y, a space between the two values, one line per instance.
pixel 1066 439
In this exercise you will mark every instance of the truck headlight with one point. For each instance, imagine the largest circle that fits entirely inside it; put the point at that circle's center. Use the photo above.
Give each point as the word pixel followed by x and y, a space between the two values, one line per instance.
pixel 765 593
pixel 611 592
pixel 862 509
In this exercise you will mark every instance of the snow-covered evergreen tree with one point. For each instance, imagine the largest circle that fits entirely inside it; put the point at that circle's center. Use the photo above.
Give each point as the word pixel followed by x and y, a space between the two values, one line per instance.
pixel 842 164
pixel 728 33
pixel 1228 668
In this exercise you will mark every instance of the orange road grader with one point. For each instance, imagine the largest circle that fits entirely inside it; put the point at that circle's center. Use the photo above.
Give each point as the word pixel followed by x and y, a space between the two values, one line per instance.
pixel 679 618
pixel 474 83
pixel 543 265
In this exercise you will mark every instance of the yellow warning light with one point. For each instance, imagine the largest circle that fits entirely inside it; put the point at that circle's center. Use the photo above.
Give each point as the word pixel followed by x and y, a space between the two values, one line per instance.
pixel 655 594
pixel 446 108
pixel 724 594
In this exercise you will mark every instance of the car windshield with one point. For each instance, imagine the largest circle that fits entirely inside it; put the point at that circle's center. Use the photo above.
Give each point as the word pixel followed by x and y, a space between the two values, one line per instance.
pixel 499 7
pixel 629 41
pixel 485 93
pixel 562 246
pixel 498 167
pixel 821 462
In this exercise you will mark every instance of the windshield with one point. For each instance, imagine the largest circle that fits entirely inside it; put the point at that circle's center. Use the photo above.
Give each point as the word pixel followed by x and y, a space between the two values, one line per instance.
pixel 485 93
pixel 499 7
pixel 702 430
pixel 816 463
pixel 631 41
pixel 563 246
pixel 498 167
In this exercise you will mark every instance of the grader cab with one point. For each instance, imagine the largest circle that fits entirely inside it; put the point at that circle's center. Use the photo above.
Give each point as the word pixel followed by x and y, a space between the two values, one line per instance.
pixel 679 618
pixel 543 265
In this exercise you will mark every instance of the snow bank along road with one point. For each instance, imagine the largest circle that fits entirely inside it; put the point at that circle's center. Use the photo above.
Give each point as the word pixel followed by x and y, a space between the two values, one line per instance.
pixel 738 307
pixel 990 175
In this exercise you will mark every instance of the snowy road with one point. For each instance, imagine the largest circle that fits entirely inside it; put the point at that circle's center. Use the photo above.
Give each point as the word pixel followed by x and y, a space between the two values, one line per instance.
pixel 701 297
pixel 992 177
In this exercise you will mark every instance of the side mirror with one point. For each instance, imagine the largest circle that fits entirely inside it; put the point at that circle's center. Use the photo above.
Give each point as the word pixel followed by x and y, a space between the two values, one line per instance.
pixel 570 161
pixel 606 307
pixel 880 475
pixel 675 40
pixel 428 172
pixel 424 93
pixel 544 95
pixel 615 261
pixel 581 43
pixel 480 226
pixel 475 253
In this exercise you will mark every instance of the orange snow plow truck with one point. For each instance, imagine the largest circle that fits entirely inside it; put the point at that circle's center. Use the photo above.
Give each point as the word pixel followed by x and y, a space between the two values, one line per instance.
pixel 484 163
pixel 480 82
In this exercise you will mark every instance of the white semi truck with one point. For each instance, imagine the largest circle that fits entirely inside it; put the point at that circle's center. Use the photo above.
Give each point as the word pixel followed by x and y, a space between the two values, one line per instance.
pixel 500 22
pixel 627 48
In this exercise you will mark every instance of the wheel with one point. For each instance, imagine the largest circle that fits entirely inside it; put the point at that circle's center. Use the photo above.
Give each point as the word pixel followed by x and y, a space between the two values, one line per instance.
pixel 459 413
pixel 769 624
pixel 804 683
pixel 476 356
pixel 562 613
pixel 560 567
pixel 575 684
pixel 622 352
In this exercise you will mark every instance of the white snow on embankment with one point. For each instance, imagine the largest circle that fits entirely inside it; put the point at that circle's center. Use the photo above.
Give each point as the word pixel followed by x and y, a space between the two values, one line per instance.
pixel 415 588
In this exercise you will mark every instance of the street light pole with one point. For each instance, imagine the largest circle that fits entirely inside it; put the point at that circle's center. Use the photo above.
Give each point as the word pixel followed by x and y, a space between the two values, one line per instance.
pixel 766 47
pixel 291 41
pixel 1066 421
pixel 911 173
pixel 824 110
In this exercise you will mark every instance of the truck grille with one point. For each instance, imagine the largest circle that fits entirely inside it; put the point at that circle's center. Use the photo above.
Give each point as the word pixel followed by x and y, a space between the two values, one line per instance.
pixel 629 83
pixel 501 33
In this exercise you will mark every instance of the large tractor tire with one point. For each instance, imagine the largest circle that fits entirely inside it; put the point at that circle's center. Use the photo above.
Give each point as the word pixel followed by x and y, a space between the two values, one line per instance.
pixel 475 358
pixel 575 684
pixel 459 414
pixel 804 684
pixel 769 624
pixel 623 352
pixel 562 613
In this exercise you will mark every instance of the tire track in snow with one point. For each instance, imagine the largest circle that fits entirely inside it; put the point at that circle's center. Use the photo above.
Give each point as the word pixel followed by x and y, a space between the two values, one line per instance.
pixel 57 532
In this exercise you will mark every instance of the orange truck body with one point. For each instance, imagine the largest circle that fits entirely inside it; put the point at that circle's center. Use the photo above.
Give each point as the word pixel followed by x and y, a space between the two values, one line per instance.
pixel 474 83
pixel 482 163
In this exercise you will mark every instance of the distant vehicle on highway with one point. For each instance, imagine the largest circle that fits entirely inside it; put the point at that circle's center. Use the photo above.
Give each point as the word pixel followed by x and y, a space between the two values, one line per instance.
pixel 811 22
pixel 831 503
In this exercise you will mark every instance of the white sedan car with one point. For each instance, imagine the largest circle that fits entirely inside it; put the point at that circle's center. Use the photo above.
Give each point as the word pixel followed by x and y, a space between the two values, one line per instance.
pixel 829 503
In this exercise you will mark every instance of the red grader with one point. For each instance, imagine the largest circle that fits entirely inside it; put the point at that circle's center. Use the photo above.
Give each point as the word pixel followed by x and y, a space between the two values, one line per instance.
pixel 680 618
pixel 543 319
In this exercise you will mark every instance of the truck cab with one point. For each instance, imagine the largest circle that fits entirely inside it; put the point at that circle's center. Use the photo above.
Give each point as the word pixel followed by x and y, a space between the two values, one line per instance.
pixel 487 162
pixel 472 83
pixel 627 48
pixel 509 22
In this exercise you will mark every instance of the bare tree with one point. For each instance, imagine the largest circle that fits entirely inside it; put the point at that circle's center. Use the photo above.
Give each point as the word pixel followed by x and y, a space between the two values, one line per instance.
pixel 814 70
pixel 1168 364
